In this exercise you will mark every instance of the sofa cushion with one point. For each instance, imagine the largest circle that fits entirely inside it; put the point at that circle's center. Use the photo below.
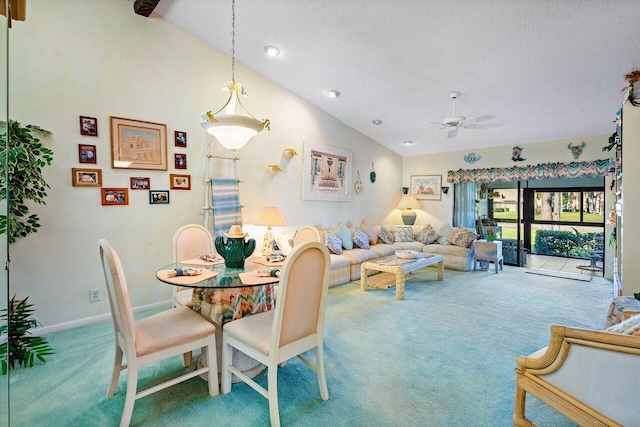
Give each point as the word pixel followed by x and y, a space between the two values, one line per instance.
pixel 384 249
pixel 402 234
pixel 385 235
pixel 333 243
pixel 345 235
pixel 370 231
pixel 357 256
pixel 444 232
pixel 361 239
pixel 462 237
pixel 409 246
pixel 631 326
pixel 448 250
pixel 427 235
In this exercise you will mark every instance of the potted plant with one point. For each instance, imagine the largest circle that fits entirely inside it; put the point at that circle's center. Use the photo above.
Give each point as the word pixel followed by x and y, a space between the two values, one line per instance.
pixel 24 157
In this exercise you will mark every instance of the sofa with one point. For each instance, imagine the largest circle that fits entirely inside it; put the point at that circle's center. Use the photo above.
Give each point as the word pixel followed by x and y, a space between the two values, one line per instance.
pixel 346 261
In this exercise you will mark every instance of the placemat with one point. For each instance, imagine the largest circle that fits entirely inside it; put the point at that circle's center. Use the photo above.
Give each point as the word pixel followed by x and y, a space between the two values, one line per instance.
pixel 252 278
pixel 186 280
pixel 263 261
pixel 198 261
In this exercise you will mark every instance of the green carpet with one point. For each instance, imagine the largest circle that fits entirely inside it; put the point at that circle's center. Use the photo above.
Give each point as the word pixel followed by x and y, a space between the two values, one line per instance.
pixel 444 356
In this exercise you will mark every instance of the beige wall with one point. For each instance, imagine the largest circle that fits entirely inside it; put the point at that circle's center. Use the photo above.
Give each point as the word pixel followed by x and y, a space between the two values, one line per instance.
pixel 100 59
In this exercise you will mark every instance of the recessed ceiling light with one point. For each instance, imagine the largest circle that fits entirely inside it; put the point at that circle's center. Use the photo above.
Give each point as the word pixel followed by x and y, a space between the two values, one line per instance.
pixel 333 93
pixel 376 122
pixel 272 50
pixel 408 142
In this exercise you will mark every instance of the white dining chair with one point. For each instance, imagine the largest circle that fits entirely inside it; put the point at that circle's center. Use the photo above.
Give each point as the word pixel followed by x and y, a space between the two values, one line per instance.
pixel 152 339
pixel 305 234
pixel 189 241
pixel 292 328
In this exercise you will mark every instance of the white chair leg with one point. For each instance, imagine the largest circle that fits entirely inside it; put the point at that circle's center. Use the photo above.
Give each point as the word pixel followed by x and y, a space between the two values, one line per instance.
pixel 272 381
pixel 212 360
pixel 115 375
pixel 227 355
pixel 130 398
pixel 322 380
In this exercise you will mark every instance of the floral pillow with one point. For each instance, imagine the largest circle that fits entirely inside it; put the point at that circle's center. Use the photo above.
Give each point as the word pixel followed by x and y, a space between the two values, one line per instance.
pixel 462 237
pixel 385 236
pixel 402 234
pixel 345 235
pixel 631 326
pixel 427 235
pixel 370 231
pixel 333 243
pixel 361 239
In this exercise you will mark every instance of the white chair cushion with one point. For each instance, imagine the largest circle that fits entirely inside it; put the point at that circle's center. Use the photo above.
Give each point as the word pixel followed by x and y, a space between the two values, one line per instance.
pixel 254 330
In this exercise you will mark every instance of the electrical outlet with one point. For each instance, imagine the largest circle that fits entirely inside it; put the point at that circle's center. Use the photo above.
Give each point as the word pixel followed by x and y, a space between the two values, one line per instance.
pixel 94 295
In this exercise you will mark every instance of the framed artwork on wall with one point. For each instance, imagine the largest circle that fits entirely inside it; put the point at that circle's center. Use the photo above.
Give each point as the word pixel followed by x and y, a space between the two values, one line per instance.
pixel 158 197
pixel 180 182
pixel 136 144
pixel 326 173
pixel 114 196
pixel 86 177
pixel 181 139
pixel 140 183
pixel 180 161
pixel 87 153
pixel 426 187
pixel 88 126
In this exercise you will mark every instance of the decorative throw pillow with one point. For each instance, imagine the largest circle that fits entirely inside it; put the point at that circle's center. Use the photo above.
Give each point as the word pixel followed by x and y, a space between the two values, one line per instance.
pixel 333 243
pixel 462 237
pixel 361 239
pixel 444 232
pixel 345 235
pixel 370 231
pixel 427 235
pixel 385 235
pixel 631 326
pixel 402 234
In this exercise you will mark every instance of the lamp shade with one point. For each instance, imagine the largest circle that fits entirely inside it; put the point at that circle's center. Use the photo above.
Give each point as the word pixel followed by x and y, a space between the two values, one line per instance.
pixel 409 201
pixel 270 216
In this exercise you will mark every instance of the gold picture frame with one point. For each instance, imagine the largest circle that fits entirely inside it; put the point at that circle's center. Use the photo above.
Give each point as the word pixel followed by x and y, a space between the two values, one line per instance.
pixel 426 187
pixel 136 144
pixel 81 177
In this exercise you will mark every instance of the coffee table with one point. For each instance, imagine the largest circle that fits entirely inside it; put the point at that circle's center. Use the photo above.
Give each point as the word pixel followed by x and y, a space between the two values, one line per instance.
pixel 400 267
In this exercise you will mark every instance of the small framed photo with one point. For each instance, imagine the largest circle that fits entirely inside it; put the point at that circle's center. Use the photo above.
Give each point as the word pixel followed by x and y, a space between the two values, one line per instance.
pixel 181 139
pixel 87 153
pixel 158 197
pixel 88 126
pixel 180 182
pixel 86 177
pixel 180 161
pixel 140 183
pixel 114 196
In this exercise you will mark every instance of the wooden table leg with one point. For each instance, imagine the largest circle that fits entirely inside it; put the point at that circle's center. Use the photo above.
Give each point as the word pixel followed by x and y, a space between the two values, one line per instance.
pixel 399 283
pixel 441 270
pixel 363 278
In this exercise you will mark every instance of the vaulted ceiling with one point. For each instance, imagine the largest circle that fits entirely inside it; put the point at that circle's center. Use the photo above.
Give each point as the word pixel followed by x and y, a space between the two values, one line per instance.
pixel 546 69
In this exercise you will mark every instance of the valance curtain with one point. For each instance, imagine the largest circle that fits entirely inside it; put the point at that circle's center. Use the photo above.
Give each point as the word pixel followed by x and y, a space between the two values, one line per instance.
pixel 523 173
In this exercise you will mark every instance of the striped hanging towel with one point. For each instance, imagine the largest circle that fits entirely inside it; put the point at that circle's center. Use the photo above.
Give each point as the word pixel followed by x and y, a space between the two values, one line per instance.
pixel 226 205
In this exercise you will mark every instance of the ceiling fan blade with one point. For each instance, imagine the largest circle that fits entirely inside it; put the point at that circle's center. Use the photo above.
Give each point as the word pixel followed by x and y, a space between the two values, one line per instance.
pixel 475 126
pixel 453 132
pixel 479 118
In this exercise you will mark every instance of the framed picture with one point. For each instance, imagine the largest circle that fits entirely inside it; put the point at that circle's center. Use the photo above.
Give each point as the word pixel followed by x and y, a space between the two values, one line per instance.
pixel 138 145
pixel 140 183
pixel 114 196
pixel 158 197
pixel 88 126
pixel 87 153
pixel 181 139
pixel 180 161
pixel 426 187
pixel 180 182
pixel 326 173
pixel 86 177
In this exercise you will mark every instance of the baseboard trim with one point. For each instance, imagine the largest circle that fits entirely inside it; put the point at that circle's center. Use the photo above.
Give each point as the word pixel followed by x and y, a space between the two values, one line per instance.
pixel 47 330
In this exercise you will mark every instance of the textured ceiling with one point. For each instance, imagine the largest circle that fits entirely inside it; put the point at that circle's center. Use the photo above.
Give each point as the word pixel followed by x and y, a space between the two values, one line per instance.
pixel 546 69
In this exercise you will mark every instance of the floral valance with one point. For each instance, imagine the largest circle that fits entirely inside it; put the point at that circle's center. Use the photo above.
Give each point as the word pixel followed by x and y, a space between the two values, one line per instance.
pixel 523 173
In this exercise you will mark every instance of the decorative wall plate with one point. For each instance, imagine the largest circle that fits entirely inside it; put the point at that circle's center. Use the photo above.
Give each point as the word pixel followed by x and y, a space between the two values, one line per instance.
pixel 372 175
pixel 357 186
pixel 471 158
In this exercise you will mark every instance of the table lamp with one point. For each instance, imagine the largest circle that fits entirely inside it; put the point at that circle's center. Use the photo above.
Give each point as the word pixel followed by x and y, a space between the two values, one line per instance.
pixel 408 203
pixel 270 216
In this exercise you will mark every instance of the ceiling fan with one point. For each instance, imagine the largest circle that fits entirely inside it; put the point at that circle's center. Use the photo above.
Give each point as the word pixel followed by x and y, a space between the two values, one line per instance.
pixel 454 122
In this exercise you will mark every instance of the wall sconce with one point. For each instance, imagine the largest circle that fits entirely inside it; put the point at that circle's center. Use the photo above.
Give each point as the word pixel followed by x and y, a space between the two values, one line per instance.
pixel 405 190
pixel 289 153
pixel 273 169
pixel 445 190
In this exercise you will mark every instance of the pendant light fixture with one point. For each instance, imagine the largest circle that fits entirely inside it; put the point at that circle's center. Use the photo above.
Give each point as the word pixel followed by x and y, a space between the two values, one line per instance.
pixel 234 127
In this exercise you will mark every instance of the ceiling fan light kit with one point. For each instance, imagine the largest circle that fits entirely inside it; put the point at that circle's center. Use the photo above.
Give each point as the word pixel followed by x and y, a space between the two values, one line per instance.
pixel 453 123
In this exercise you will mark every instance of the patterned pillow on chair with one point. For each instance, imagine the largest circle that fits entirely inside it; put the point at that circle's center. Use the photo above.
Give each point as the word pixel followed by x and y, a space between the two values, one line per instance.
pixel 427 235
pixel 361 239
pixel 385 236
pixel 402 234
pixel 631 326
pixel 333 243
pixel 462 237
